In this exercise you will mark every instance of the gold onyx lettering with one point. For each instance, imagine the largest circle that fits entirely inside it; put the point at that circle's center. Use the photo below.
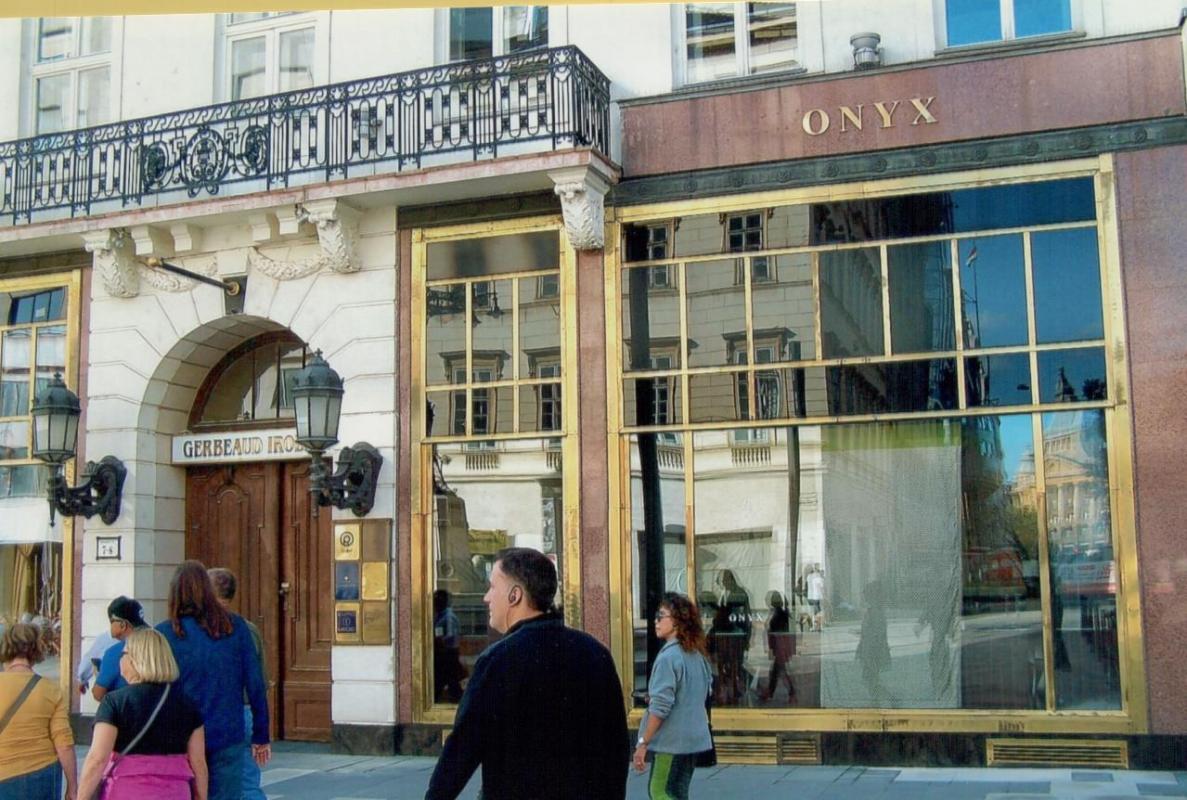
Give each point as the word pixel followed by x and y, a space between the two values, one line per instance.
pixel 817 121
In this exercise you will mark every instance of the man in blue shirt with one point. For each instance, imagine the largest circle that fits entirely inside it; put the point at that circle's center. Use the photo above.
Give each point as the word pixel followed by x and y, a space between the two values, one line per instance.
pixel 125 616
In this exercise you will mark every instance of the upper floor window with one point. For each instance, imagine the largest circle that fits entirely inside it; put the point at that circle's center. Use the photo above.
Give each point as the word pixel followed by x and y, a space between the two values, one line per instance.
pixel 252 382
pixel 977 21
pixel 726 40
pixel 269 53
pixel 499 31
pixel 72 73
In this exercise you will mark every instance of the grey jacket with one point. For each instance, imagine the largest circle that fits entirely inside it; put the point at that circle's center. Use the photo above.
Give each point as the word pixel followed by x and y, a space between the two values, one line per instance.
pixel 678 687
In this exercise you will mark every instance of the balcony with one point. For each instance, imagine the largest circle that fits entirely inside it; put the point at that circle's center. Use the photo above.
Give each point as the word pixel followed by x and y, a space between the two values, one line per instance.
pixel 469 111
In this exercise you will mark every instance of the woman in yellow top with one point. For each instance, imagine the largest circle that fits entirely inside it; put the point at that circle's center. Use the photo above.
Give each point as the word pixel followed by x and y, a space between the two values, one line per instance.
pixel 36 746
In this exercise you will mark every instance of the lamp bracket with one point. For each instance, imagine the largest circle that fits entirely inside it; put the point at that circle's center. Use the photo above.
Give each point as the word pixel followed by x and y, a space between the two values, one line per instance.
pixel 352 483
pixel 99 494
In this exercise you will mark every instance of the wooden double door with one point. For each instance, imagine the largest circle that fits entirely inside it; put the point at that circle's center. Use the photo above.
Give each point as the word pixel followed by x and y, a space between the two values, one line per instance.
pixel 254 519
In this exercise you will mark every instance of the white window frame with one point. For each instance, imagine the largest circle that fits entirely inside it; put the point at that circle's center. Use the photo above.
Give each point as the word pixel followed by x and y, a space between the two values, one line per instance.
pixel 1006 10
pixel 741 46
pixel 270 29
pixel 441 29
pixel 73 65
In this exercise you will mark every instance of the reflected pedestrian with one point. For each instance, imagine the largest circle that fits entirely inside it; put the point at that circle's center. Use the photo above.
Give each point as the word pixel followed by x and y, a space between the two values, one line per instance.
pixel 218 662
pixel 148 739
pixel 543 711
pixel 781 644
pixel 675 727
pixel 448 671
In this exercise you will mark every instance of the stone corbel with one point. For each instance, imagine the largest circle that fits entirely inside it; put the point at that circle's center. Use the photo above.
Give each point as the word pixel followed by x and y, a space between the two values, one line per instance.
pixel 337 227
pixel 115 261
pixel 582 191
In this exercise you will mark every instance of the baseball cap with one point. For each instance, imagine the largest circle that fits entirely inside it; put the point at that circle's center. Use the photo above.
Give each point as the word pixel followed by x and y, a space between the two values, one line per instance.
pixel 128 610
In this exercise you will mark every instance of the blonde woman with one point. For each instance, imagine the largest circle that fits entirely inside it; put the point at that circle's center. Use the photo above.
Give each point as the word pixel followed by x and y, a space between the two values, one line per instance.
pixel 148 742
pixel 36 747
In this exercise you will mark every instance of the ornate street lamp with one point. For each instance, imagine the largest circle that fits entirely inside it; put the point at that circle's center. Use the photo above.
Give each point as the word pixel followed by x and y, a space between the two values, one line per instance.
pixel 55 438
pixel 317 398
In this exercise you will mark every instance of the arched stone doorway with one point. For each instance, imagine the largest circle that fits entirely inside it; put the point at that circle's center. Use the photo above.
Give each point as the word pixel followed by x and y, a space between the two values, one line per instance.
pixel 245 501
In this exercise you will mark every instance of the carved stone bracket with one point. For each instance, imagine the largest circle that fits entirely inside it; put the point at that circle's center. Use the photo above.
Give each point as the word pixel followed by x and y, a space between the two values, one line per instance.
pixel 115 261
pixel 117 255
pixel 337 232
pixel 582 191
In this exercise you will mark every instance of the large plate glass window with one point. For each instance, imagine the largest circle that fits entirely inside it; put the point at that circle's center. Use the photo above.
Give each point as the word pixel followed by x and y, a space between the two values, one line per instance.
pixel 34 344
pixel 881 392
pixel 726 40
pixel 494 430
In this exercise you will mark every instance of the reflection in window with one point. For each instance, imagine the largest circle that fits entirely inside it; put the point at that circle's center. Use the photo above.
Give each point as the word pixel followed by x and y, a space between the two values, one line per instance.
pixel 825 581
pixel 851 303
pixel 716 313
pixel 1069 376
pixel 920 297
pixel 992 291
pixel 505 494
pixel 1002 380
pixel 1067 293
pixel 1083 565
pixel 650 320
pixel 723 40
pixel 978 21
pixel 255 382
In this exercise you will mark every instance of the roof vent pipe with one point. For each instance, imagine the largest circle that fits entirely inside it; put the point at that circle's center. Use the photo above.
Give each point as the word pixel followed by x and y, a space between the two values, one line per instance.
pixel 866 53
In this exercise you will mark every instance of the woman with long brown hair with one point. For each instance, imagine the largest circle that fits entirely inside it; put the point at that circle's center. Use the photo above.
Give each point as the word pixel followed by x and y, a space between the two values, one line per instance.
pixel 675 728
pixel 219 668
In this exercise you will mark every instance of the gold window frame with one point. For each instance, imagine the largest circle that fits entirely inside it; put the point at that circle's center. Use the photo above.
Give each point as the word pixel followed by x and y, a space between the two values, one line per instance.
pixel 1133 715
pixel 424 709
pixel 72 283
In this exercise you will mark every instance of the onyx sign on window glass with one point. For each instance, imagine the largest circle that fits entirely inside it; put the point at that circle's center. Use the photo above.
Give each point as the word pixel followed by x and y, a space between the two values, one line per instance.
pixel 975 21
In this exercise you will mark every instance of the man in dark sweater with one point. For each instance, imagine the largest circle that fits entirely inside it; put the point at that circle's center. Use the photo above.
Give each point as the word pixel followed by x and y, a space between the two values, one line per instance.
pixel 543 712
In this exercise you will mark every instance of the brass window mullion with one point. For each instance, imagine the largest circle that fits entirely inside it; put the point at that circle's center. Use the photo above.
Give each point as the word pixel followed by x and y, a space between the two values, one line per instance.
pixel 515 354
pixel 818 321
pixel 751 383
pixel 690 522
pixel 1031 325
pixel 958 316
pixel 884 257
pixel 1045 587
pixel 469 415
pixel 682 363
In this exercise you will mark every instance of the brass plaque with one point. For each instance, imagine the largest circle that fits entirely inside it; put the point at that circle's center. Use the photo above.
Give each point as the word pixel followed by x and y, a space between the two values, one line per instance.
pixel 376 623
pixel 346 623
pixel 374 580
pixel 376 537
pixel 346 542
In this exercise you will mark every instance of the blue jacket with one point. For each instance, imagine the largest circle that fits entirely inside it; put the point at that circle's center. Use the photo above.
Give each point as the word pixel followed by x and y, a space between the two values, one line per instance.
pixel 544 715
pixel 214 675
pixel 678 688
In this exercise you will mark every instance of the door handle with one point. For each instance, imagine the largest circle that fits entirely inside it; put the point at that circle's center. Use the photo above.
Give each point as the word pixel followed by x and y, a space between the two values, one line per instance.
pixel 284 588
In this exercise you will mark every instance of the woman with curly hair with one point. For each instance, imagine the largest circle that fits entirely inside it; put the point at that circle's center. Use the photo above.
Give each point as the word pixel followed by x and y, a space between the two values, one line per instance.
pixel 219 672
pixel 675 727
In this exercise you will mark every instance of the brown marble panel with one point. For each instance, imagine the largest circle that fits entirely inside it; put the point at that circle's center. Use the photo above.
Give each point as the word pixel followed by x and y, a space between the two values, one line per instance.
pixel 1137 79
pixel 1152 204
pixel 595 502
pixel 404 484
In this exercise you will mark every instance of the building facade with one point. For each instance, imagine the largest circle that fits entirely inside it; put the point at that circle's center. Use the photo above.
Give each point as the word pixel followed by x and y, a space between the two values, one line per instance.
pixel 853 321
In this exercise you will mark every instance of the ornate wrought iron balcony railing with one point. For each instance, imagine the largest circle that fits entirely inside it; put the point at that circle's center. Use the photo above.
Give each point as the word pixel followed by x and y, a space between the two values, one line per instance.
pixel 477 109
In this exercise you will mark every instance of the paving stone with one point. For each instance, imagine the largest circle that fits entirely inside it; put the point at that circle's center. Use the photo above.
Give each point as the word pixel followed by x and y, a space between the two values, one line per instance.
pixel 1162 790
pixel 1093 777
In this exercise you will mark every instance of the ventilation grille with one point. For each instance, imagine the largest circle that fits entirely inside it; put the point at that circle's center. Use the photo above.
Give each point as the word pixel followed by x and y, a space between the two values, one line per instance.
pixel 747 749
pixel 1057 752
pixel 799 750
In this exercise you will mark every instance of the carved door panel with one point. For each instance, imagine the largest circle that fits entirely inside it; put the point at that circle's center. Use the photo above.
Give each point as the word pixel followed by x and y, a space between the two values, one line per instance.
pixel 307 610
pixel 233 521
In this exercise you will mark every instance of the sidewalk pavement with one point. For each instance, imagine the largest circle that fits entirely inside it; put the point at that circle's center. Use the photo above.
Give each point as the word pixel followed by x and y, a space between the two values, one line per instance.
pixel 301 772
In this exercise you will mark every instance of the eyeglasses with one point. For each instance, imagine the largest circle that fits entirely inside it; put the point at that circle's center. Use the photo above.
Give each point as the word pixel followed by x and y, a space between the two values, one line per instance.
pixel 662 615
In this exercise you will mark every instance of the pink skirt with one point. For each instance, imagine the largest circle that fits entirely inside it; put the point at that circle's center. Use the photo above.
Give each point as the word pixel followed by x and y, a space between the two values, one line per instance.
pixel 147 778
